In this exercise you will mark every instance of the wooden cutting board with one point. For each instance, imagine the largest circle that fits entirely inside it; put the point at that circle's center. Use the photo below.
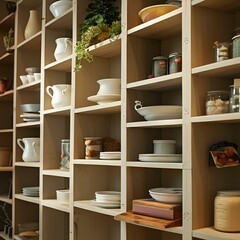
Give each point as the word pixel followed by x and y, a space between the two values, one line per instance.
pixel 142 220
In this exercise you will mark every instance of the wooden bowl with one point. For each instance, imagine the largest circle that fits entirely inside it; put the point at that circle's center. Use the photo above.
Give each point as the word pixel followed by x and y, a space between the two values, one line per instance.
pixel 151 12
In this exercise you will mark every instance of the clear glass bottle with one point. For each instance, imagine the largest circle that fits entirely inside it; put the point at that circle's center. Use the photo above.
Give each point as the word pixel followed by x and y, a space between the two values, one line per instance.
pixel 234 99
pixel 175 63
pixel 65 154
pixel 222 51
pixel 217 102
pixel 236 43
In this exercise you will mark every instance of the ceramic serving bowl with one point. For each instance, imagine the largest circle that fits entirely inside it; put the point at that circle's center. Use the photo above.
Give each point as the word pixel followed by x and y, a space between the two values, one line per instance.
pixel 30 108
pixel 155 11
pixel 63 196
pixel 59 7
pixel 166 195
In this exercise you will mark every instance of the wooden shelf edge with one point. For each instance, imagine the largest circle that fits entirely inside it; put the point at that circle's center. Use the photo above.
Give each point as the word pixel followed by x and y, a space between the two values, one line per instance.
pixel 4 236
pixel 56 172
pixel 99 162
pixel 154 165
pixel 54 204
pixel 146 221
pixel 4 198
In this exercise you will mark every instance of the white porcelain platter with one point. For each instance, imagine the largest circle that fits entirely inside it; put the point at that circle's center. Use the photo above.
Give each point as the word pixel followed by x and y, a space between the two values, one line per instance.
pixel 107 205
pixel 101 99
pixel 162 116
pixel 174 158
pixel 30 115
pixel 110 155
pixel 167 195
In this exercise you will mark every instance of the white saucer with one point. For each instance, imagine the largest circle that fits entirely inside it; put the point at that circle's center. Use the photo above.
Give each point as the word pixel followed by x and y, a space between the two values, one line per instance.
pixel 100 99
pixel 107 205
pixel 30 119
pixel 30 115
pixel 110 157
pixel 174 158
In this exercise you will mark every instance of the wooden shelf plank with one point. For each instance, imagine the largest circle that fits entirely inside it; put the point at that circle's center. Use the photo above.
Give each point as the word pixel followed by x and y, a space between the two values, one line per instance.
pixel 56 172
pixel 211 233
pixel 156 123
pixel 64 65
pixel 8 21
pixel 4 198
pixel 27 164
pixel 4 236
pixel 7 96
pixel 99 162
pixel 7 58
pixel 27 199
pixel 53 203
pixel 6 130
pixel 154 165
pixel 33 43
pixel 90 206
pixel 146 221
pixel 30 86
pixel 6 169
pixel 28 124
pixel 63 111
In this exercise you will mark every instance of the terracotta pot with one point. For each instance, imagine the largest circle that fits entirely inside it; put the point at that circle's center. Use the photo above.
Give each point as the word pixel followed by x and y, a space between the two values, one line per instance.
pixel 4 82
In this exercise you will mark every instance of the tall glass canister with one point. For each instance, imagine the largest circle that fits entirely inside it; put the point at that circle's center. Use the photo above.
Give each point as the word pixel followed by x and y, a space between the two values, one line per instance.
pixel 65 154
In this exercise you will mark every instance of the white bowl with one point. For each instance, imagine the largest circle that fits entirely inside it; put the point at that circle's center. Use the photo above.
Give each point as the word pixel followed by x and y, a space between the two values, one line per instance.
pixel 23 79
pixel 37 76
pixel 109 86
pixel 164 146
pixel 30 78
pixel 167 195
pixel 59 7
pixel 32 70
pixel 63 196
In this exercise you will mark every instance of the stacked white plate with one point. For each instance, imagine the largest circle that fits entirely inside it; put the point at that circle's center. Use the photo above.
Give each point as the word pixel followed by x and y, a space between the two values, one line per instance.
pixel 31 191
pixel 30 117
pixel 108 199
pixel 174 158
pixel 110 155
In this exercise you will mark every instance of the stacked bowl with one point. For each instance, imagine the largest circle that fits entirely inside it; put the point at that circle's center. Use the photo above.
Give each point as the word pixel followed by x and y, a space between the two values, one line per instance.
pixel 108 199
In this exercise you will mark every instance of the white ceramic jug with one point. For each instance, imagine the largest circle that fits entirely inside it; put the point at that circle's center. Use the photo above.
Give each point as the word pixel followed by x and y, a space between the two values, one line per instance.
pixel 60 94
pixel 109 86
pixel 63 48
pixel 31 149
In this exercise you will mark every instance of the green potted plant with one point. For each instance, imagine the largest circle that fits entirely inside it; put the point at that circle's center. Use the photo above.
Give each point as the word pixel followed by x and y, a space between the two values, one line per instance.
pixel 102 22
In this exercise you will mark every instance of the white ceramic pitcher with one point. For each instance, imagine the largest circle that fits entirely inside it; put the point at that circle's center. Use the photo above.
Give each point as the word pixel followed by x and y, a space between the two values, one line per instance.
pixel 60 94
pixel 31 149
pixel 63 48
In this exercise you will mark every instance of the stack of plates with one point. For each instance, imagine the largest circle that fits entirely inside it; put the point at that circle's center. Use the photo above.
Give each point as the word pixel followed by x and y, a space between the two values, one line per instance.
pixel 108 199
pixel 30 117
pixel 110 155
pixel 174 158
pixel 31 191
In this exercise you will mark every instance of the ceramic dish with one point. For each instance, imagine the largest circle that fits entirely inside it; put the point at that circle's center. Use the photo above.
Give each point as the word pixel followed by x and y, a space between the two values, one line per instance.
pixel 59 7
pixel 166 195
pixel 30 115
pixel 30 108
pixel 151 12
pixel 107 205
pixel 174 158
pixel 101 99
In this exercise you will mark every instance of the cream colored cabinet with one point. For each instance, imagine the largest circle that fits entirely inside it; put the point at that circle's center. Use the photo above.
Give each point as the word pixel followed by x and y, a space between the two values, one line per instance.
pixel 191 30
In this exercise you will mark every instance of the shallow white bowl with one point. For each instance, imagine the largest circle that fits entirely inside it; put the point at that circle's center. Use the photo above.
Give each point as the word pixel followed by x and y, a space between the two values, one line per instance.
pixel 59 7
pixel 164 146
pixel 109 86
pixel 32 70
pixel 24 79
pixel 63 196
pixel 166 195
pixel 30 78
pixel 37 76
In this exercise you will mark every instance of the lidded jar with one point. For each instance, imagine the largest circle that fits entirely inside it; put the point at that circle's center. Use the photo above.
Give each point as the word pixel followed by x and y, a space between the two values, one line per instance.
pixel 175 63
pixel 227 211
pixel 93 147
pixel 236 43
pixel 65 154
pixel 160 65
pixel 217 102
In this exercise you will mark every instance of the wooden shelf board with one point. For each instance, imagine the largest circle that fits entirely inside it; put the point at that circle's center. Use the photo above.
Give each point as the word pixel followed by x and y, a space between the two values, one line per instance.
pixel 30 86
pixel 27 164
pixel 163 83
pixel 32 43
pixel 10 130
pixel 106 49
pixel 56 172
pixel 7 58
pixel 4 236
pixel 7 96
pixel 154 165
pixel 63 111
pixel 28 124
pixel 226 68
pixel 90 206
pixel 6 169
pixel 106 108
pixel 99 162
pixel 27 199
pixel 4 198
pixel 8 21
pixel 63 65
pixel 53 203
pixel 146 221
pixel 227 6
pixel 170 25
pixel 62 22
pixel 218 118
pixel 156 123
pixel 29 3
pixel 211 233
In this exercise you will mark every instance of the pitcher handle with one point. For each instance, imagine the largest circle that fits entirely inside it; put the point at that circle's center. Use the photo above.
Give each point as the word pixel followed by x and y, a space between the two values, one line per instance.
pixel 67 40
pixel 21 144
pixel 48 91
pixel 138 105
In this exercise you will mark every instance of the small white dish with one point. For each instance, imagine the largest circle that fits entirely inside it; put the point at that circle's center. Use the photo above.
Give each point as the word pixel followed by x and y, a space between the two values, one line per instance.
pixel 107 205
pixel 23 79
pixel 30 115
pixel 37 76
pixel 30 78
pixel 109 86
pixel 59 7
pixel 165 158
pixel 63 196
pixel 166 195
pixel 30 119
pixel 101 99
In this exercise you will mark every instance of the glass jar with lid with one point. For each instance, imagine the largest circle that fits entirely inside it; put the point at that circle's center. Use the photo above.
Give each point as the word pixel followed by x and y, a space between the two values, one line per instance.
pixel 234 99
pixel 217 102
pixel 227 211
pixel 222 51
pixel 93 147
pixel 160 64
pixel 65 154
pixel 175 63
pixel 236 43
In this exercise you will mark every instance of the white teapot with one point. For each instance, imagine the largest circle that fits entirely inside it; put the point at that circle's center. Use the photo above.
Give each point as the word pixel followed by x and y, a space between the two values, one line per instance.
pixel 63 48
pixel 60 94
pixel 31 149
